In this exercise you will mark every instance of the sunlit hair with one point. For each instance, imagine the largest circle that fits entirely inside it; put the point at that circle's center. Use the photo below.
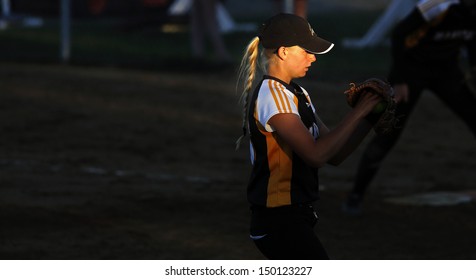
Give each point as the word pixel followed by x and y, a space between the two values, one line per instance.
pixel 251 63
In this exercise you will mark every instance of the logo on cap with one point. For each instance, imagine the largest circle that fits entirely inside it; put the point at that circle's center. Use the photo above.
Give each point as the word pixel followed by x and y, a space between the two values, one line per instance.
pixel 312 30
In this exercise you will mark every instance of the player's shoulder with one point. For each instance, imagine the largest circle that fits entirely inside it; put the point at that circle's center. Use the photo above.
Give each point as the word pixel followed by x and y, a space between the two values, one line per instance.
pixel 274 88
pixel 432 9
pixel 275 97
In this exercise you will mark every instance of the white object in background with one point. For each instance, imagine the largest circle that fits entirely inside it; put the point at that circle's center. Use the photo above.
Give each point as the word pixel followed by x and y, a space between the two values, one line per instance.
pixel 377 33
pixel 5 8
pixel 180 7
pixel 226 22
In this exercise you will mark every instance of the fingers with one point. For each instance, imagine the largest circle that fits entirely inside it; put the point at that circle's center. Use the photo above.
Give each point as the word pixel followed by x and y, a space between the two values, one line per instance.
pixel 370 97
pixel 368 101
pixel 401 93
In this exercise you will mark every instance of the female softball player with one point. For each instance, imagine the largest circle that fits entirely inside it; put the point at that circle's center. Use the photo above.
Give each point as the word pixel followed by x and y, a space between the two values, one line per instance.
pixel 288 141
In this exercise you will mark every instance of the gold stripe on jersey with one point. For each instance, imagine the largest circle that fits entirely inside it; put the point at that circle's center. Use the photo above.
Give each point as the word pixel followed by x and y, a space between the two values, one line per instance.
pixel 285 97
pixel 280 166
pixel 295 99
pixel 273 94
pixel 279 96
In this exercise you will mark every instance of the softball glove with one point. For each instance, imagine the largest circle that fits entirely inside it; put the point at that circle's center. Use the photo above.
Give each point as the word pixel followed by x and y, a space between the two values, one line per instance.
pixel 382 116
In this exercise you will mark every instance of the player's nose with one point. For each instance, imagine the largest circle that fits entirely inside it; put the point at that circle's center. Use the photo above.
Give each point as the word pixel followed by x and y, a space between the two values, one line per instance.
pixel 312 57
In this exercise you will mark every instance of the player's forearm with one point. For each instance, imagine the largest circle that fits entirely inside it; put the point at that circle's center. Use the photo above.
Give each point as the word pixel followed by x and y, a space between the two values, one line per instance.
pixel 340 142
pixel 353 142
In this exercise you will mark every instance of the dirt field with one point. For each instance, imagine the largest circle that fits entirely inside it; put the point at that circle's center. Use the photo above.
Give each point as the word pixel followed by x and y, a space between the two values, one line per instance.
pixel 100 163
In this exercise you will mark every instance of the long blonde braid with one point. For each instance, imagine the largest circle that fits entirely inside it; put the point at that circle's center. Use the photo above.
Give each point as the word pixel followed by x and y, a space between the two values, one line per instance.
pixel 247 74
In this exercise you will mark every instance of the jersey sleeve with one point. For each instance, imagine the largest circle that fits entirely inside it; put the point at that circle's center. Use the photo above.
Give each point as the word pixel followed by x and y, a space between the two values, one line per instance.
pixel 273 99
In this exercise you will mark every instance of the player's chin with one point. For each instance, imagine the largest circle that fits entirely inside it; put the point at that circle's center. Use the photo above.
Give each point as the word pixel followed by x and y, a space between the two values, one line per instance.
pixel 303 74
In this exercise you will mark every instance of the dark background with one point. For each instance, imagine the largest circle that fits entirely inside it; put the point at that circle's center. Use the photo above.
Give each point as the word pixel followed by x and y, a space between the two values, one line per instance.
pixel 127 151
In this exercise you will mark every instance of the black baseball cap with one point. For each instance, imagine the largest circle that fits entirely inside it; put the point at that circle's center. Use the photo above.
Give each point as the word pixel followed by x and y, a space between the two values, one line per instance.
pixel 287 30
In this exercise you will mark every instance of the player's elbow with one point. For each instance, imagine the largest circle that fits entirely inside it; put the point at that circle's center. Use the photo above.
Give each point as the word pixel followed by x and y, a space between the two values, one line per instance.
pixel 320 158
pixel 317 162
pixel 321 161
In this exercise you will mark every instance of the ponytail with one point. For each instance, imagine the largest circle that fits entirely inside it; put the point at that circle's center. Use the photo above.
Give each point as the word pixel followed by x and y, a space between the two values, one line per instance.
pixel 247 74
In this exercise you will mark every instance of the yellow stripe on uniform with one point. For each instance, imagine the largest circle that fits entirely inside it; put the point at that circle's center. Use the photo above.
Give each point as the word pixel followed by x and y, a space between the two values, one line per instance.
pixel 280 164
pixel 273 94
pixel 279 96
pixel 283 93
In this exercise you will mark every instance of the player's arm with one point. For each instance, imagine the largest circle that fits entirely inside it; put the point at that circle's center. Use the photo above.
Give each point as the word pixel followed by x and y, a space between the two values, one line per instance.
pixel 352 143
pixel 333 146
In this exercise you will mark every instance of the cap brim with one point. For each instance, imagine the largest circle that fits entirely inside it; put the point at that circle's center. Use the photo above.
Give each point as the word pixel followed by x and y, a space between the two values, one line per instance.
pixel 318 46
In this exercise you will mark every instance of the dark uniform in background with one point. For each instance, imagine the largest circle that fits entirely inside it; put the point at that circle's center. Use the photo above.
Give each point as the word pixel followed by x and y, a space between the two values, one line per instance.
pixel 428 47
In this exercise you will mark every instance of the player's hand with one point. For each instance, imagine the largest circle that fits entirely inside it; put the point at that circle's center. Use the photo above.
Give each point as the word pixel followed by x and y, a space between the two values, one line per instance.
pixel 367 102
pixel 401 93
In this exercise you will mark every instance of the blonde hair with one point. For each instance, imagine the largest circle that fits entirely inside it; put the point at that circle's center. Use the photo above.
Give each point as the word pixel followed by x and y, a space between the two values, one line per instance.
pixel 247 74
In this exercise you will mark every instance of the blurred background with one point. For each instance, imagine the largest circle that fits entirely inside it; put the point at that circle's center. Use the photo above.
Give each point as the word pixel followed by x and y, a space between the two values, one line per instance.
pixel 117 137
pixel 151 33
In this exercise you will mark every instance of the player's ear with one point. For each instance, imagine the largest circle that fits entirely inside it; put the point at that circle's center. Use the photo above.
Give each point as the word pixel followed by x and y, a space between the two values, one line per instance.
pixel 281 52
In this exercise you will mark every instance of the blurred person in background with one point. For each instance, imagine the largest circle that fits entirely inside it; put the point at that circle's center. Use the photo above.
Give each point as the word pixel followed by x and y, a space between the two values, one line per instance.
pixel 377 33
pixel 299 7
pixel 204 23
pixel 429 48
